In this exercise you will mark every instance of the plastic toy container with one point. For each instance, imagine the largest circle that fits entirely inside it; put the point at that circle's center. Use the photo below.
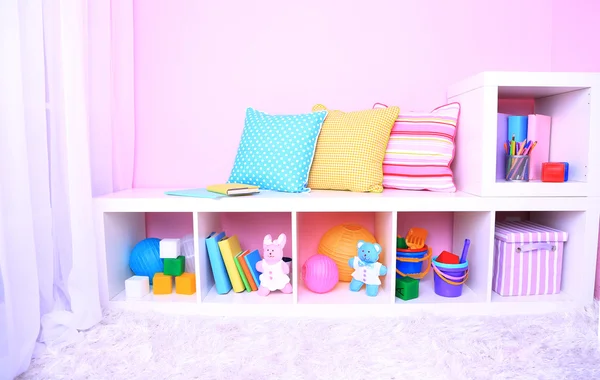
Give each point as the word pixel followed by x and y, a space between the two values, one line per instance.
pixel 409 262
pixel 448 279
pixel 528 259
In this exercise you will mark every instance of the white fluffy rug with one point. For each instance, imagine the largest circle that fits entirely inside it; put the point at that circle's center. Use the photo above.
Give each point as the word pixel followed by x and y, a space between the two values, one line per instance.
pixel 129 345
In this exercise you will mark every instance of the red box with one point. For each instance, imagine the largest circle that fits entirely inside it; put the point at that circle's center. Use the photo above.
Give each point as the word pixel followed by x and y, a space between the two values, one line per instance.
pixel 553 172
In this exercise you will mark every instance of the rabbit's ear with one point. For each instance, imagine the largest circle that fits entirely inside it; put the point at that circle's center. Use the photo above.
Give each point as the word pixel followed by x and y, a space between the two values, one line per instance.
pixel 268 240
pixel 281 239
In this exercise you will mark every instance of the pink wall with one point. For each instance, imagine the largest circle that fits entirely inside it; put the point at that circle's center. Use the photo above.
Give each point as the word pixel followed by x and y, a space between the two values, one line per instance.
pixel 439 226
pixel 251 228
pixel 166 225
pixel 575 30
pixel 199 64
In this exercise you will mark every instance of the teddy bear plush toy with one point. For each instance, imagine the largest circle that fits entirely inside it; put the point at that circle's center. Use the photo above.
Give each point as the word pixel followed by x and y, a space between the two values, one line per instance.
pixel 366 267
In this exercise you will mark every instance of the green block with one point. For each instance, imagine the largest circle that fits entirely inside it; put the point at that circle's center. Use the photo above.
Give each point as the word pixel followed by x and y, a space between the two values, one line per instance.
pixel 401 243
pixel 407 288
pixel 174 267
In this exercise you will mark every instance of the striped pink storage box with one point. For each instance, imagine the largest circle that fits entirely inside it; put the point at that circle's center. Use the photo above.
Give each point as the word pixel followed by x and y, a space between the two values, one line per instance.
pixel 527 259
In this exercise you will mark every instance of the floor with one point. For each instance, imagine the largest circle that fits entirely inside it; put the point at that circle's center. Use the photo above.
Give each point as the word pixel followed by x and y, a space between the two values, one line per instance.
pixel 130 345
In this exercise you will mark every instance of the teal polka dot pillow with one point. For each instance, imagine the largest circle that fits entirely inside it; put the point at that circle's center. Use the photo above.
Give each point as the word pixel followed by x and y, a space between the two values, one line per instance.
pixel 276 151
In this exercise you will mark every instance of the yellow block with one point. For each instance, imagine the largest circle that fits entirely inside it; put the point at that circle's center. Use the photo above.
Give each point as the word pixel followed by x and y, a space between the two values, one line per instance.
pixel 185 284
pixel 162 284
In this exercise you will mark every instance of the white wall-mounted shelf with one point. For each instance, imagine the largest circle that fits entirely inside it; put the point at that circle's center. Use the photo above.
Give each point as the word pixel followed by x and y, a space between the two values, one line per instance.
pixel 573 102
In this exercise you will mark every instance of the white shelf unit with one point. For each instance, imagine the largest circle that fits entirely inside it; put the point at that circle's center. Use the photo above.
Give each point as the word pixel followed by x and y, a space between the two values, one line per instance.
pixel 121 223
pixel 571 99
pixel 573 102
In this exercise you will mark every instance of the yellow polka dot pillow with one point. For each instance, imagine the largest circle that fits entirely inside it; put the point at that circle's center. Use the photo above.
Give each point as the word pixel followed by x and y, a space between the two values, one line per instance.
pixel 350 149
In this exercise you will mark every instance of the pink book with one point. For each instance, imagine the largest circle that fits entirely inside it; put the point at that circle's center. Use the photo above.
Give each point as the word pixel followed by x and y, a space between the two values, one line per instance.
pixel 538 129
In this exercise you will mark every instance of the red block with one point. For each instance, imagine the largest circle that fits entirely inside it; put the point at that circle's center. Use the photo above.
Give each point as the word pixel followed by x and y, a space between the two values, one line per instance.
pixel 553 172
pixel 448 258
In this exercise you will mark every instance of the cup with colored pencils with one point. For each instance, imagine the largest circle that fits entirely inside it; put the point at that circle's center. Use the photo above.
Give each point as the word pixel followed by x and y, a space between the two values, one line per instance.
pixel 517 159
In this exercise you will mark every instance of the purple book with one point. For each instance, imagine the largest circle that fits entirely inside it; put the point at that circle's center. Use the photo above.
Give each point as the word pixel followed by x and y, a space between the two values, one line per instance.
pixel 500 140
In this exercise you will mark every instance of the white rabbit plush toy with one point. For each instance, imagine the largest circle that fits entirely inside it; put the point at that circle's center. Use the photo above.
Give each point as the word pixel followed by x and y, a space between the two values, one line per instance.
pixel 274 270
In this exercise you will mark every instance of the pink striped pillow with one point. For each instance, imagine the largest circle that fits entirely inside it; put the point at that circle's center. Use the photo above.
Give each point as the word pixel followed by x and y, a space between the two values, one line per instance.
pixel 421 149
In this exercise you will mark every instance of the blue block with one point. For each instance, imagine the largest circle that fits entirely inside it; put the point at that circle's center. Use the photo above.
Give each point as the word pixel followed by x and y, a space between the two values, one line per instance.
pixel 566 171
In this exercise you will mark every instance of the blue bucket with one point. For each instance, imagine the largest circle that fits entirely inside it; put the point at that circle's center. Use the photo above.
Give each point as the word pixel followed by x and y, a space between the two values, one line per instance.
pixel 409 262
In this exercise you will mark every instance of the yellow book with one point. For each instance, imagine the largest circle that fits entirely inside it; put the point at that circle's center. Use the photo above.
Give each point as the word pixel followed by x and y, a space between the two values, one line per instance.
pixel 230 246
pixel 233 189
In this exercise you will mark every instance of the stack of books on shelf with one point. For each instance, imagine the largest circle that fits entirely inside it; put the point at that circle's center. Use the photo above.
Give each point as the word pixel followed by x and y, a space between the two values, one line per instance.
pixel 232 267
pixel 518 135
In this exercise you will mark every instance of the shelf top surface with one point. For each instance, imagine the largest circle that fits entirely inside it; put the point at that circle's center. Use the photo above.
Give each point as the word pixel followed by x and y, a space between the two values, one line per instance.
pixel 155 200
pixel 144 193
pixel 523 84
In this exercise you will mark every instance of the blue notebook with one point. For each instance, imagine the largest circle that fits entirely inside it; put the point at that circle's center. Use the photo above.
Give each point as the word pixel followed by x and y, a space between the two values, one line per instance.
pixel 195 193
pixel 517 126
pixel 222 282
pixel 251 259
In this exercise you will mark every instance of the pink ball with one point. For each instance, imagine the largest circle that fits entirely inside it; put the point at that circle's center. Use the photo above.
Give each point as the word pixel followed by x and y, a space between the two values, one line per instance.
pixel 320 273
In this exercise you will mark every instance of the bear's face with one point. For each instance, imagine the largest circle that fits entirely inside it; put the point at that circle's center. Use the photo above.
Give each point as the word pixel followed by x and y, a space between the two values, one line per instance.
pixel 368 252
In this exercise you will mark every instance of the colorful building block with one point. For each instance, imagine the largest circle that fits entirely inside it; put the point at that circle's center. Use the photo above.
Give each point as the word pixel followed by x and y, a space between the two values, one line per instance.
pixel 174 267
pixel 447 258
pixel 169 248
pixel 185 284
pixel 162 284
pixel 137 286
pixel 407 288
pixel 555 171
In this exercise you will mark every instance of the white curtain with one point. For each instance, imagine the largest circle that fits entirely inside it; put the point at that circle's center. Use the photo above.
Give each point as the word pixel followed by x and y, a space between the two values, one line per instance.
pixel 53 102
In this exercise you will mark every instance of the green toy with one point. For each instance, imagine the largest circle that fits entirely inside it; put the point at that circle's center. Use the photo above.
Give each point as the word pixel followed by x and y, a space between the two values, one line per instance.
pixel 407 288
pixel 401 243
pixel 174 267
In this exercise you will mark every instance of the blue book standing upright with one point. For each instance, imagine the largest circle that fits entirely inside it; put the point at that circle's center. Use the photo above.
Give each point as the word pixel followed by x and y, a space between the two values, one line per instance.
pixel 222 282
pixel 251 259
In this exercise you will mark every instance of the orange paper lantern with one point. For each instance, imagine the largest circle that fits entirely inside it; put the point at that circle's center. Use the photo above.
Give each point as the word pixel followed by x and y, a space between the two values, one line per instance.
pixel 340 242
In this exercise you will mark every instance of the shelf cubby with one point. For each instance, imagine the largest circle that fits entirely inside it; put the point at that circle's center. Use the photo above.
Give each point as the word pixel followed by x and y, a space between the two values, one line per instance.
pixel 447 231
pixel 250 228
pixel 565 97
pixel 575 274
pixel 122 231
pixel 312 226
